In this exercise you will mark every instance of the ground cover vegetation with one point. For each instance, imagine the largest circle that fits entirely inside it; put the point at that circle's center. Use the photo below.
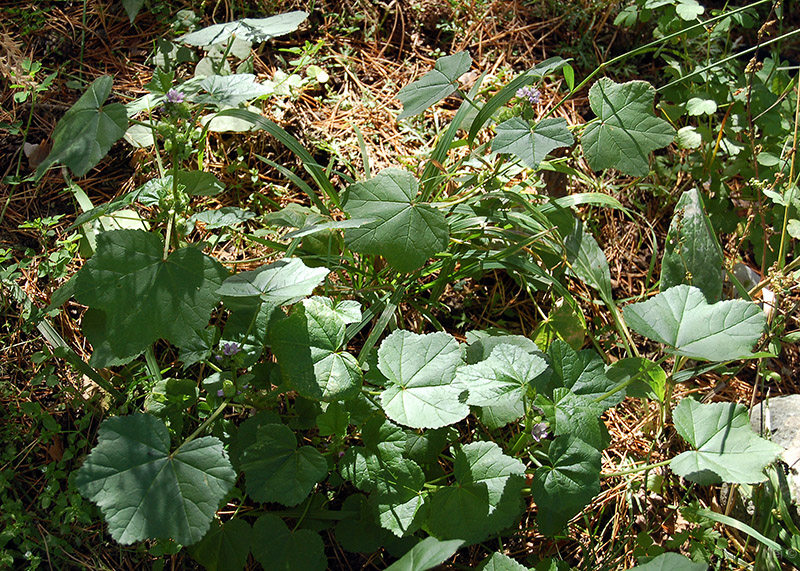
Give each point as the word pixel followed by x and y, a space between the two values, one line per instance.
pixel 407 286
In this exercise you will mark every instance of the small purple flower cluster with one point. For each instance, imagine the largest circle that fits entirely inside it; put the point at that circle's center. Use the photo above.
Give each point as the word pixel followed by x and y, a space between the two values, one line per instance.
pixel 230 349
pixel 531 94
pixel 174 96
pixel 539 431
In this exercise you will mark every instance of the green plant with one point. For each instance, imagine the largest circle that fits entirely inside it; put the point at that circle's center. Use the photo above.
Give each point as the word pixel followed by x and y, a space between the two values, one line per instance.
pixel 321 410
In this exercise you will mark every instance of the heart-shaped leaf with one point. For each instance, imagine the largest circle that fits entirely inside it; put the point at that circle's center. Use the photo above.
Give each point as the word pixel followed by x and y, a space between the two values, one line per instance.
pixel 146 492
pixel 500 562
pixel 85 133
pixel 276 547
pixel 626 130
pixel 727 449
pixel 277 471
pixel 486 496
pixel 435 85
pixel 531 146
pixel 145 297
pixel 225 547
pixel 562 489
pixel 681 318
pixel 307 346
pixel 404 231
pixel 420 370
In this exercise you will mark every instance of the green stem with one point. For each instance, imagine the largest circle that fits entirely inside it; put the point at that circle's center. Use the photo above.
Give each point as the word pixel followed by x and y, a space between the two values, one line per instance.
pixel 203 426
pixel 635 470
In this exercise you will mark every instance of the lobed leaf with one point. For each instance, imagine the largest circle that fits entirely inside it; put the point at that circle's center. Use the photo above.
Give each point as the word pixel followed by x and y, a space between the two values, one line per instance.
pixel 562 489
pixel 255 30
pixel 515 137
pixel 681 318
pixel 276 547
pixel 144 297
pixel 727 449
pixel 146 492
pixel 626 130
pixel 420 370
pixel 86 132
pixel 405 232
pixel 435 85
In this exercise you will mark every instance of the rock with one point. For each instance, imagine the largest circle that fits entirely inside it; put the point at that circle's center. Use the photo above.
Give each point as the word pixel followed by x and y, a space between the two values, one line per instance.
pixel 781 424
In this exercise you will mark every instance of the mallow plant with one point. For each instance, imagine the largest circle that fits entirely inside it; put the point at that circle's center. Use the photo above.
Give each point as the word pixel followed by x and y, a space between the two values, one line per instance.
pixel 416 444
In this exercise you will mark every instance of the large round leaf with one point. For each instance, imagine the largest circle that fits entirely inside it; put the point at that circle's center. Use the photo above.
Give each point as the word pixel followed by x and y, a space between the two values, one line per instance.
pixel 404 231
pixel 275 547
pixel 145 297
pixel 420 370
pixel 146 492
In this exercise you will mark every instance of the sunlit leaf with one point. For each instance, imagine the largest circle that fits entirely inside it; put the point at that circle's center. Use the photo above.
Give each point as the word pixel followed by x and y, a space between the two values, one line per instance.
pixel 626 131
pixel 726 448
pixel 681 318
pixel 87 130
pixel 426 554
pixel 404 231
pixel 254 30
pixel 435 85
pixel 420 370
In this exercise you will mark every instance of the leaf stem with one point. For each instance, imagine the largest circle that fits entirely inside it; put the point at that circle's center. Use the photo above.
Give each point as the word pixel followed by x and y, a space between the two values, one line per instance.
pixel 203 426
pixel 635 470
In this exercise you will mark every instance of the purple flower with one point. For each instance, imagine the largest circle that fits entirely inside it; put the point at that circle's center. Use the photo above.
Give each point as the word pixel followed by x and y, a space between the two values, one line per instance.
pixel 539 431
pixel 531 94
pixel 174 96
pixel 340 454
pixel 220 393
pixel 230 349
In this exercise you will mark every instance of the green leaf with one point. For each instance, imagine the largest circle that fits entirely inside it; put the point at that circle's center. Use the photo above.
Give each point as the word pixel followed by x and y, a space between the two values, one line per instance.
pixel 306 345
pixel 254 30
pixel 420 370
pixel 507 378
pixel 275 547
pixel 143 297
pixel 727 449
pixel 701 106
pixel 132 8
pixel 571 414
pixel 500 562
pixel 280 283
pixel 515 137
pixel 277 471
pixel 583 372
pixel 671 562
pixel 361 533
pixel 480 344
pixel 225 547
pixel 562 489
pixel 87 130
pixel 397 496
pixel 689 9
pixel 426 554
pixel 230 90
pixel 225 217
pixel 146 492
pixel 198 183
pixel 626 130
pixel 649 379
pixel 403 231
pixel 688 138
pixel 682 319
pixel 692 254
pixel 587 260
pixel 435 85
pixel 486 498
